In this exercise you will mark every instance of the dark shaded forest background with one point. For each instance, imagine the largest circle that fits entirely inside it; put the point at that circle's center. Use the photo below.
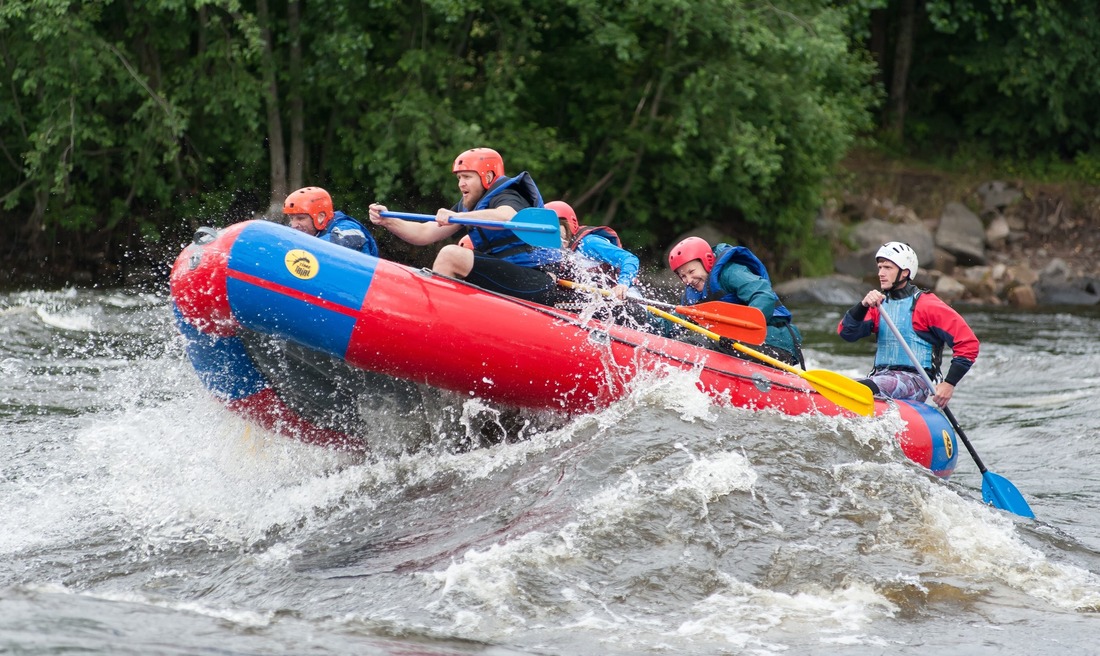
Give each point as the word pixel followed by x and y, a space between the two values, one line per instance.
pixel 126 124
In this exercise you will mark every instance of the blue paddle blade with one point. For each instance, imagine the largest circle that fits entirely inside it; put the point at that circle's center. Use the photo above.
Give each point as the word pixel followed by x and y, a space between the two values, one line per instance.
pixel 537 226
pixel 1002 494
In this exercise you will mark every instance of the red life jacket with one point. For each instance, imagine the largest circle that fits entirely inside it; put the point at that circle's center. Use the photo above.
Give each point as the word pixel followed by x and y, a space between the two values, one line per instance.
pixel 607 233
pixel 601 273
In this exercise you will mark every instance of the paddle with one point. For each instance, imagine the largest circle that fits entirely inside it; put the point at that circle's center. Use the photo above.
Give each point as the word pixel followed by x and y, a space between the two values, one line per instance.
pixel 741 322
pixel 838 388
pixel 541 228
pixel 996 490
pixel 745 323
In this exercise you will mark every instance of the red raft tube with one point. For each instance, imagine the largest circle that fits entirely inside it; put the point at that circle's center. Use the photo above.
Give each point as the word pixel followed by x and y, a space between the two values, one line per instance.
pixel 386 318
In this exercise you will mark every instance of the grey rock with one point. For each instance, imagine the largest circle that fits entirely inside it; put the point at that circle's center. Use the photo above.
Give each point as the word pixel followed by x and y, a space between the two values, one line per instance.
pixel 944 262
pixel 1055 271
pixel 997 232
pixel 997 195
pixel 1022 296
pixel 1076 291
pixel 873 233
pixel 949 289
pixel 962 234
pixel 859 264
pixel 829 290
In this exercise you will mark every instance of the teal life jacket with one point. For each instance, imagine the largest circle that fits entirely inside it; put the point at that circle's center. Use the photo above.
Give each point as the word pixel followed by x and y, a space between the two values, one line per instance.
pixel 890 353
pixel 713 291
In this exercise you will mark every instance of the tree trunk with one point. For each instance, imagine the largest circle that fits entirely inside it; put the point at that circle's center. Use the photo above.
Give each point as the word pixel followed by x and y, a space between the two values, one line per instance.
pixel 903 56
pixel 294 97
pixel 662 80
pixel 276 149
pixel 877 44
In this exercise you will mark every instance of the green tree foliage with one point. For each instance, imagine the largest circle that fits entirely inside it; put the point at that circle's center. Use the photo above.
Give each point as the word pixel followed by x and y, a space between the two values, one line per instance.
pixel 109 118
pixel 1020 77
pixel 121 117
pixel 651 116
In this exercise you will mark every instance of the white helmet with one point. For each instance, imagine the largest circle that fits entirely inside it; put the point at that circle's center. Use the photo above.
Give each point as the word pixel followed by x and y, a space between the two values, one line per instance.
pixel 900 254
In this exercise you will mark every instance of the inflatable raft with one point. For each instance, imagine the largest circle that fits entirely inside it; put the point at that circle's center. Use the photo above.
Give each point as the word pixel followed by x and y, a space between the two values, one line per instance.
pixel 268 313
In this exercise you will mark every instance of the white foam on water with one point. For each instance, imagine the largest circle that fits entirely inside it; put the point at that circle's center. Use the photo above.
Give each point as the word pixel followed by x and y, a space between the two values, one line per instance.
pixel 475 464
pixel 965 538
pixel 179 470
pixel 675 389
pixel 36 297
pixel 979 541
pixel 489 579
pixel 73 320
pixel 744 616
pixel 58 309
pixel 230 479
pixel 708 480
pixel 128 300
pixel 479 592
pixel 244 619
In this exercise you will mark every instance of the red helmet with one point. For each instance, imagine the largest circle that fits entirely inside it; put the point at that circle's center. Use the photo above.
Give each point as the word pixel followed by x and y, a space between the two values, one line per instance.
pixel 466 242
pixel 692 248
pixel 565 213
pixel 313 201
pixel 481 161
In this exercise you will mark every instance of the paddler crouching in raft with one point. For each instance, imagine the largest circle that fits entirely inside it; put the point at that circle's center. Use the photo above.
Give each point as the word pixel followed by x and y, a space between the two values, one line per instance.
pixel 923 320
pixel 310 210
pixel 733 274
pixel 598 250
pixel 499 261
pixel 596 260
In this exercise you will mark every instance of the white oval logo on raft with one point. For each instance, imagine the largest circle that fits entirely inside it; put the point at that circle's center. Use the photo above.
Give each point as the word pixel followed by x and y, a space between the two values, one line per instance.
pixel 947 443
pixel 301 264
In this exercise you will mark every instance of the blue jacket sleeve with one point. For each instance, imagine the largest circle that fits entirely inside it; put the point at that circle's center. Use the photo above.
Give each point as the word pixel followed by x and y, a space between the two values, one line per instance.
pixel 349 233
pixel 600 249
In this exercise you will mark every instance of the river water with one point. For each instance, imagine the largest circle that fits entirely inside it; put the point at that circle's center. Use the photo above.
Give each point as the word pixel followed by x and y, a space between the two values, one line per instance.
pixel 137 516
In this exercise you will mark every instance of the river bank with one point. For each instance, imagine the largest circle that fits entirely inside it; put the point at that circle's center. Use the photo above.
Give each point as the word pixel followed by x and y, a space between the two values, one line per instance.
pixel 980 241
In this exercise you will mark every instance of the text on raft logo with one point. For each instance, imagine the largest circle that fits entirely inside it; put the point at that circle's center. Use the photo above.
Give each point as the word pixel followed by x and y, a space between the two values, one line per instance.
pixel 301 264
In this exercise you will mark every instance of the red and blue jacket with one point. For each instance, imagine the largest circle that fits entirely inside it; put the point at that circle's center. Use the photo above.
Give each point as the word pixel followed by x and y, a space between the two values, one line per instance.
pixel 934 323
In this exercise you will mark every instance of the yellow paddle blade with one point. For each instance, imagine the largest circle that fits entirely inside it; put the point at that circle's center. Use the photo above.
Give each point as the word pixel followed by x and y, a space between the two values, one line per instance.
pixel 842 391
pixel 838 388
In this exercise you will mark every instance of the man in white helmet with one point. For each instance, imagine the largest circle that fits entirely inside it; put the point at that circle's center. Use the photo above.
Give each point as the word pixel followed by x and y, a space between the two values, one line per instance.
pixel 924 321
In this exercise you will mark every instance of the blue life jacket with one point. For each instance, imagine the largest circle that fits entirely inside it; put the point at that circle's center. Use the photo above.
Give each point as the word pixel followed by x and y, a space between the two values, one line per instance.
pixel 346 231
pixel 890 352
pixel 505 244
pixel 713 291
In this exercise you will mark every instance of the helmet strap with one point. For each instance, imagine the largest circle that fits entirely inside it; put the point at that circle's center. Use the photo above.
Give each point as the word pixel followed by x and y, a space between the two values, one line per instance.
pixel 899 282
